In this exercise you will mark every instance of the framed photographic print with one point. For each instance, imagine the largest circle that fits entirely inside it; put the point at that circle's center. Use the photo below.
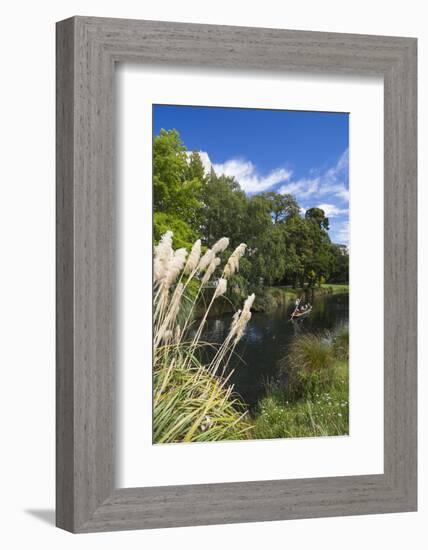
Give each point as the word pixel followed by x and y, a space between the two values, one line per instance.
pixel 236 274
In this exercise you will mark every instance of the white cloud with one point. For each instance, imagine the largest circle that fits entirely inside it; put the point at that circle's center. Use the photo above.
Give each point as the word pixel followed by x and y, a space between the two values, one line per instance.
pixel 331 211
pixel 331 181
pixel 206 162
pixel 342 193
pixel 303 187
pixel 245 172
pixel 339 233
pixel 248 177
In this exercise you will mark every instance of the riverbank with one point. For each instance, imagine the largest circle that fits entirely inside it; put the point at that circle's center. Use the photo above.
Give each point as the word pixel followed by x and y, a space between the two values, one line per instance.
pixel 324 414
pixel 336 288
pixel 265 377
pixel 315 401
pixel 280 296
pixel 272 297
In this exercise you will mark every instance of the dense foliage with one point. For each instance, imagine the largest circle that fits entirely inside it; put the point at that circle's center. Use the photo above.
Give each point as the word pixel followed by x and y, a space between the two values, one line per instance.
pixel 284 247
pixel 315 399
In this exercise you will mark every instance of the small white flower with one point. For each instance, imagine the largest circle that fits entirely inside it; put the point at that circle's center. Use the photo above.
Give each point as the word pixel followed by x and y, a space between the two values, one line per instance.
pixel 207 423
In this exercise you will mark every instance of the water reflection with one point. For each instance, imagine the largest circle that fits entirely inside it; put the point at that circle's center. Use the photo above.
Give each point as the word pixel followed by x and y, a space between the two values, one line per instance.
pixel 268 337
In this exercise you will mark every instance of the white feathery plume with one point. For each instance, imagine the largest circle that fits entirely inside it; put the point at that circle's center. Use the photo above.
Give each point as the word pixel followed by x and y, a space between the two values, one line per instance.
pixel 171 314
pixel 234 323
pixel 162 256
pixel 221 288
pixel 242 326
pixel 193 259
pixel 240 322
pixel 210 270
pixel 175 302
pixel 235 318
pixel 167 335
pixel 233 261
pixel 248 304
pixel 206 260
pixel 175 266
pixel 220 245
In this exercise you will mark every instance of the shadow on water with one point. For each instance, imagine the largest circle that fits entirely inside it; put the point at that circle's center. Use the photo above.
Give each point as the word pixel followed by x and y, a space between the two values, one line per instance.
pixel 268 337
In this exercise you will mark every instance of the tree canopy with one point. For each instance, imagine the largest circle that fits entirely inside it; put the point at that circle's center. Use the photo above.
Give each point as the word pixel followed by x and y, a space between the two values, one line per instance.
pixel 284 247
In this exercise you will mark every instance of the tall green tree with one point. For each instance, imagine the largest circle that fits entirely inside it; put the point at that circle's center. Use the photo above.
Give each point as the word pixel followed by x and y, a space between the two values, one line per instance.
pixel 318 216
pixel 340 264
pixel 299 244
pixel 283 246
pixel 258 218
pixel 270 255
pixel 177 188
pixel 282 207
pixel 195 167
pixel 224 212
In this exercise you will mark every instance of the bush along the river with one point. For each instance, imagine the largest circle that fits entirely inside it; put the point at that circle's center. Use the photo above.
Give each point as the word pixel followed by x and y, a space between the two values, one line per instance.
pixel 311 397
pixel 193 401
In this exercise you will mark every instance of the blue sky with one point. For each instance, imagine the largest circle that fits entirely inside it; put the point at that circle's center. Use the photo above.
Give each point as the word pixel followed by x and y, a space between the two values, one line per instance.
pixel 297 152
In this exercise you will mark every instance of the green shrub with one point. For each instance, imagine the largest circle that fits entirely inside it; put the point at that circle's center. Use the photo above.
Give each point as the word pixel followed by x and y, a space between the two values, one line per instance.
pixel 311 398
pixel 309 366
pixel 264 302
pixel 341 343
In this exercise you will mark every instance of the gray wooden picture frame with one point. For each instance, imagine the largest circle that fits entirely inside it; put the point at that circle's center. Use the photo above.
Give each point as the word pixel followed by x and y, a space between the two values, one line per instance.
pixel 87 51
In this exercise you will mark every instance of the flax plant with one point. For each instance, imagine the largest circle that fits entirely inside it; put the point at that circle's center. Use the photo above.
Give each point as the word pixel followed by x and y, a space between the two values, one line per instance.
pixel 193 401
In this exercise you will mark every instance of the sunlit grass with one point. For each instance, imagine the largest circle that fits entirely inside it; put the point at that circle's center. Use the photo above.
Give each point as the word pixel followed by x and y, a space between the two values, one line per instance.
pixel 315 399
pixel 191 404
pixel 324 414
pixel 341 343
pixel 336 288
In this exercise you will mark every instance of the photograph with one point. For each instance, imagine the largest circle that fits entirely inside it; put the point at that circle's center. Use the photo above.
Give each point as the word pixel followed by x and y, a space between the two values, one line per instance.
pixel 210 309
pixel 250 274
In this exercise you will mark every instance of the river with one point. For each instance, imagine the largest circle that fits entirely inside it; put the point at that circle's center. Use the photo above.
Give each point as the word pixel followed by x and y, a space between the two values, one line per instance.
pixel 268 337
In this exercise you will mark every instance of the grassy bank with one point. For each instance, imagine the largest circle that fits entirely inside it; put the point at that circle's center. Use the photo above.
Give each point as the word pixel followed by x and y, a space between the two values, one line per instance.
pixel 336 288
pixel 314 401
pixel 267 298
pixel 270 298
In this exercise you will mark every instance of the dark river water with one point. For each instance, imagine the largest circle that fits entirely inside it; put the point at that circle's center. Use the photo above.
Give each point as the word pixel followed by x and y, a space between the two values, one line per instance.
pixel 268 337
